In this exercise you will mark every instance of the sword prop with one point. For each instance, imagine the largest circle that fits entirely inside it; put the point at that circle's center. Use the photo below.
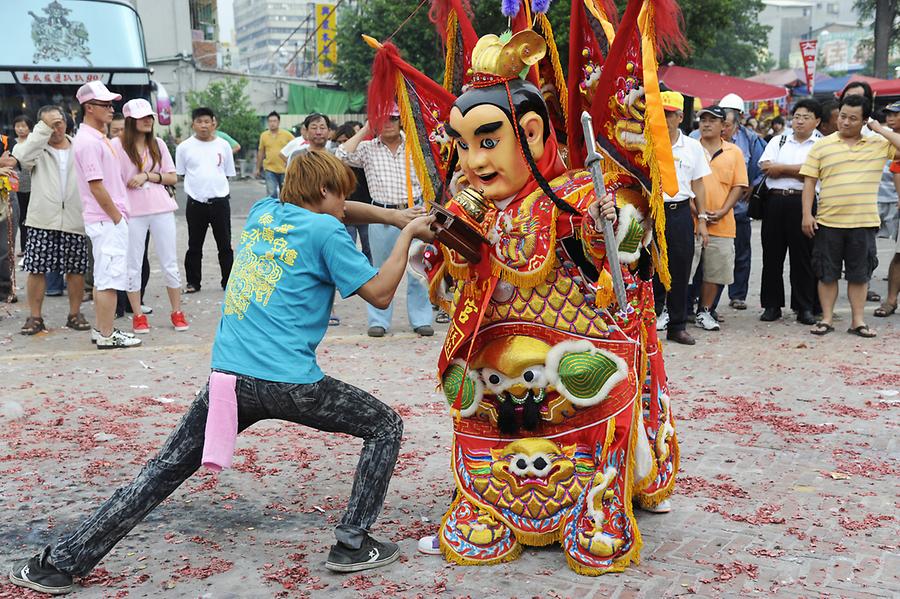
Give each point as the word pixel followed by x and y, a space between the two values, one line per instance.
pixel 592 162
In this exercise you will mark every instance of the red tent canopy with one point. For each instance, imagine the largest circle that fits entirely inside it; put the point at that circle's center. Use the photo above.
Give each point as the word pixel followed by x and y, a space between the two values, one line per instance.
pixel 880 87
pixel 711 87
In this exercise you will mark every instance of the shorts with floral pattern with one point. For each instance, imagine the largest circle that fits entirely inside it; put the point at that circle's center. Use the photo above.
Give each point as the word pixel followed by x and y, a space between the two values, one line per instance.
pixel 55 251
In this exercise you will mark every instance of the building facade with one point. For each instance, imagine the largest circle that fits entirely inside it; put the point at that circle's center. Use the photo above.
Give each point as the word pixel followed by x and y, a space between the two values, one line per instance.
pixel 793 20
pixel 276 37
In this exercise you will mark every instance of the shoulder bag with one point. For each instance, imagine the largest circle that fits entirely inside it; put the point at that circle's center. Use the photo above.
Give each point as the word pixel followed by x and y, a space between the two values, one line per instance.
pixel 756 208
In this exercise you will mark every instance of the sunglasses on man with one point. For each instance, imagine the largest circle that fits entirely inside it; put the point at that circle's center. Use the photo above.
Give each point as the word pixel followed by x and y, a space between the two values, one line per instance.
pixel 107 105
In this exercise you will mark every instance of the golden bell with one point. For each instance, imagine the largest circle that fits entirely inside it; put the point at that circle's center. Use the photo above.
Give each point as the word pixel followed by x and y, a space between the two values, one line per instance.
pixel 472 202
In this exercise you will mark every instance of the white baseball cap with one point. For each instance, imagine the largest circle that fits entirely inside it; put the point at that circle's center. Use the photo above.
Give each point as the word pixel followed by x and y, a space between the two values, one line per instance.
pixel 95 90
pixel 733 101
pixel 138 109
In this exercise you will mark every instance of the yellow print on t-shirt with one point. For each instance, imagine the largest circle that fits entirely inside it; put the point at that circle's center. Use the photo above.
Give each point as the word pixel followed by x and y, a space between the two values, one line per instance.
pixel 254 277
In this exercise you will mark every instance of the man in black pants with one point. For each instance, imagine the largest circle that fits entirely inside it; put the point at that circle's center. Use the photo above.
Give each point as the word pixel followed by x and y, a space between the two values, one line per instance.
pixel 265 349
pixel 690 166
pixel 783 217
pixel 205 161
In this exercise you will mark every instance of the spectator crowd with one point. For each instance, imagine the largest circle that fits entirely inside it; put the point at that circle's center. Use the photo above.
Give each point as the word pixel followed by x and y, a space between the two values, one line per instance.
pixel 822 179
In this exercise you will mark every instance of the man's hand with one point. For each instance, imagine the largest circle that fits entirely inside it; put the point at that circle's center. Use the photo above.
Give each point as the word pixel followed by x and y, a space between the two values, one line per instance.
pixel 703 231
pixel 714 216
pixel 875 126
pixel 53 119
pixel 603 208
pixel 256 173
pixel 809 226
pixel 420 227
pixel 404 217
pixel 365 129
pixel 5 171
pixel 771 169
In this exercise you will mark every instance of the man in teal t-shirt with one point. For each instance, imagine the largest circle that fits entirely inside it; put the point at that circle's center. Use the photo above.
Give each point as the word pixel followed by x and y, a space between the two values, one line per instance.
pixel 293 255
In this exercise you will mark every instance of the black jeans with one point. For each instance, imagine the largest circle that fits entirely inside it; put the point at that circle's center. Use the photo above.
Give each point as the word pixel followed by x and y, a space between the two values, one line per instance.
pixel 782 232
pixel 328 405
pixel 680 244
pixel 201 216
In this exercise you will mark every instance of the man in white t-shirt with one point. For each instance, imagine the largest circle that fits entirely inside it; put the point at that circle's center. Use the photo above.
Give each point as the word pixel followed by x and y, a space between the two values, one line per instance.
pixel 205 161
pixel 781 230
pixel 691 166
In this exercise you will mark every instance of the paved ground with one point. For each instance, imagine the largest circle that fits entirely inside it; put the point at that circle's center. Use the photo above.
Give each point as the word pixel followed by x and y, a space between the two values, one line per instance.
pixel 788 487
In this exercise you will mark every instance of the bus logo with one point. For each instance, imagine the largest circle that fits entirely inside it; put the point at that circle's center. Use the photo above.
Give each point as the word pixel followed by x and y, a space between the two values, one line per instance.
pixel 56 37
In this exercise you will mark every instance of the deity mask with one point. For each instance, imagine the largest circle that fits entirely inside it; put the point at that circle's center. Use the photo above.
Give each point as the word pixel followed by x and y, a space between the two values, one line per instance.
pixel 501 122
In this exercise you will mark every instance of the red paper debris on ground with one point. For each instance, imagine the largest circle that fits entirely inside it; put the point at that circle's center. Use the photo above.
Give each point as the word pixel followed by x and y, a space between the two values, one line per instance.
pixel 868 521
pixel 725 572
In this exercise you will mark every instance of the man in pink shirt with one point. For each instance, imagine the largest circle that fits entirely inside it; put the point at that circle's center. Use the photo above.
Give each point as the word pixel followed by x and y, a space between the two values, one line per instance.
pixel 105 208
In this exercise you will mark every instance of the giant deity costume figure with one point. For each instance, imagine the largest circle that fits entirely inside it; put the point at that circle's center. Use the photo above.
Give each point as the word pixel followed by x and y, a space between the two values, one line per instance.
pixel 560 408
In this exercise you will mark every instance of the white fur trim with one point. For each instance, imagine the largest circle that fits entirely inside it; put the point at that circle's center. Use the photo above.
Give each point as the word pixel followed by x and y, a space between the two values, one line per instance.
pixel 415 261
pixel 627 213
pixel 479 389
pixel 555 356
pixel 643 462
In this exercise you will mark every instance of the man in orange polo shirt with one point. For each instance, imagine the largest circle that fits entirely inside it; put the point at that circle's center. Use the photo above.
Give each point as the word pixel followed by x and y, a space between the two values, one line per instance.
pixel 724 186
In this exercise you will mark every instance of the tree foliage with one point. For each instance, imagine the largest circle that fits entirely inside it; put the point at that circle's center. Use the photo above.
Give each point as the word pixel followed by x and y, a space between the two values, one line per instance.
pixel 885 17
pixel 229 100
pixel 724 35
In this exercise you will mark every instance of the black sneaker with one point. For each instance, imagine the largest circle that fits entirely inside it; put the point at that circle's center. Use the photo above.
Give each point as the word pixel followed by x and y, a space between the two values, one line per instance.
pixel 371 554
pixel 38 574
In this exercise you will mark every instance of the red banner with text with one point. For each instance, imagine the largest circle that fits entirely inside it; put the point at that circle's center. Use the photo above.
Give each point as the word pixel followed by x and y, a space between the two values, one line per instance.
pixel 808 51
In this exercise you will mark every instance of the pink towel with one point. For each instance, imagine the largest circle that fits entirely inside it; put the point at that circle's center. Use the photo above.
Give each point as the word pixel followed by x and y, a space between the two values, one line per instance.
pixel 221 422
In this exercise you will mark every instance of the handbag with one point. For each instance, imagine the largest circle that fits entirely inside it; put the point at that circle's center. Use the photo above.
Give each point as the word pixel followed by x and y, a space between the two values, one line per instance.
pixel 756 207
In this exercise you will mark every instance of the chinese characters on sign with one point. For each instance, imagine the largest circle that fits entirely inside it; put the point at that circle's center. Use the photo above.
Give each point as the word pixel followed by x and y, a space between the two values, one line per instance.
pixel 808 51
pixel 59 78
pixel 326 48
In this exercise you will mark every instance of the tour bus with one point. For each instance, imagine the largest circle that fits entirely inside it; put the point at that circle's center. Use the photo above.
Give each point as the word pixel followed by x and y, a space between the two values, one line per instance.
pixel 52 47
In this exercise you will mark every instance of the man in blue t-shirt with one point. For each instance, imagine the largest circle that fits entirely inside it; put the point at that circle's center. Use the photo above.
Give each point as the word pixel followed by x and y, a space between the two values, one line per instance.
pixel 293 254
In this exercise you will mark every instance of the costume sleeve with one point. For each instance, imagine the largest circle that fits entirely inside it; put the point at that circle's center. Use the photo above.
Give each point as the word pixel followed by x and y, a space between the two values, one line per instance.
pixel 347 267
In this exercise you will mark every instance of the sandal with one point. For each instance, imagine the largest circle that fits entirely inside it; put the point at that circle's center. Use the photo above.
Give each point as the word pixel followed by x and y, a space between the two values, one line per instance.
pixel 863 331
pixel 442 317
pixel 871 296
pixel 78 322
pixel 334 321
pixel 11 298
pixel 821 328
pixel 191 289
pixel 33 325
pixel 885 310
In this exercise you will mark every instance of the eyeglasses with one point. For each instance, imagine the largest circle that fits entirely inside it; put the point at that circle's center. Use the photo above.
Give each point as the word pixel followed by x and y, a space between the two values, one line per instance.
pixel 107 105
pixel 804 117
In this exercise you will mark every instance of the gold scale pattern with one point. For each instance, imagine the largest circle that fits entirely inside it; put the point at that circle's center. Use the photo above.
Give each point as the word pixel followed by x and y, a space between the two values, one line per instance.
pixel 556 302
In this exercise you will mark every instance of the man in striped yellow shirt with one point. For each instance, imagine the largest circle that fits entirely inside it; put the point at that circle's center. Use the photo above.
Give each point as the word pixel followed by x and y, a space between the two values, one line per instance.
pixel 848 166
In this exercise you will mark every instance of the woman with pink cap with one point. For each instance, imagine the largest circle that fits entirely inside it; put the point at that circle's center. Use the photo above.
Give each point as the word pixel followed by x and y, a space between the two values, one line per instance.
pixel 147 168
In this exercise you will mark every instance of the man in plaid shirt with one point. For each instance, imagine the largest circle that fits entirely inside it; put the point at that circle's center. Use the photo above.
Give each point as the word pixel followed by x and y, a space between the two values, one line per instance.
pixel 384 161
